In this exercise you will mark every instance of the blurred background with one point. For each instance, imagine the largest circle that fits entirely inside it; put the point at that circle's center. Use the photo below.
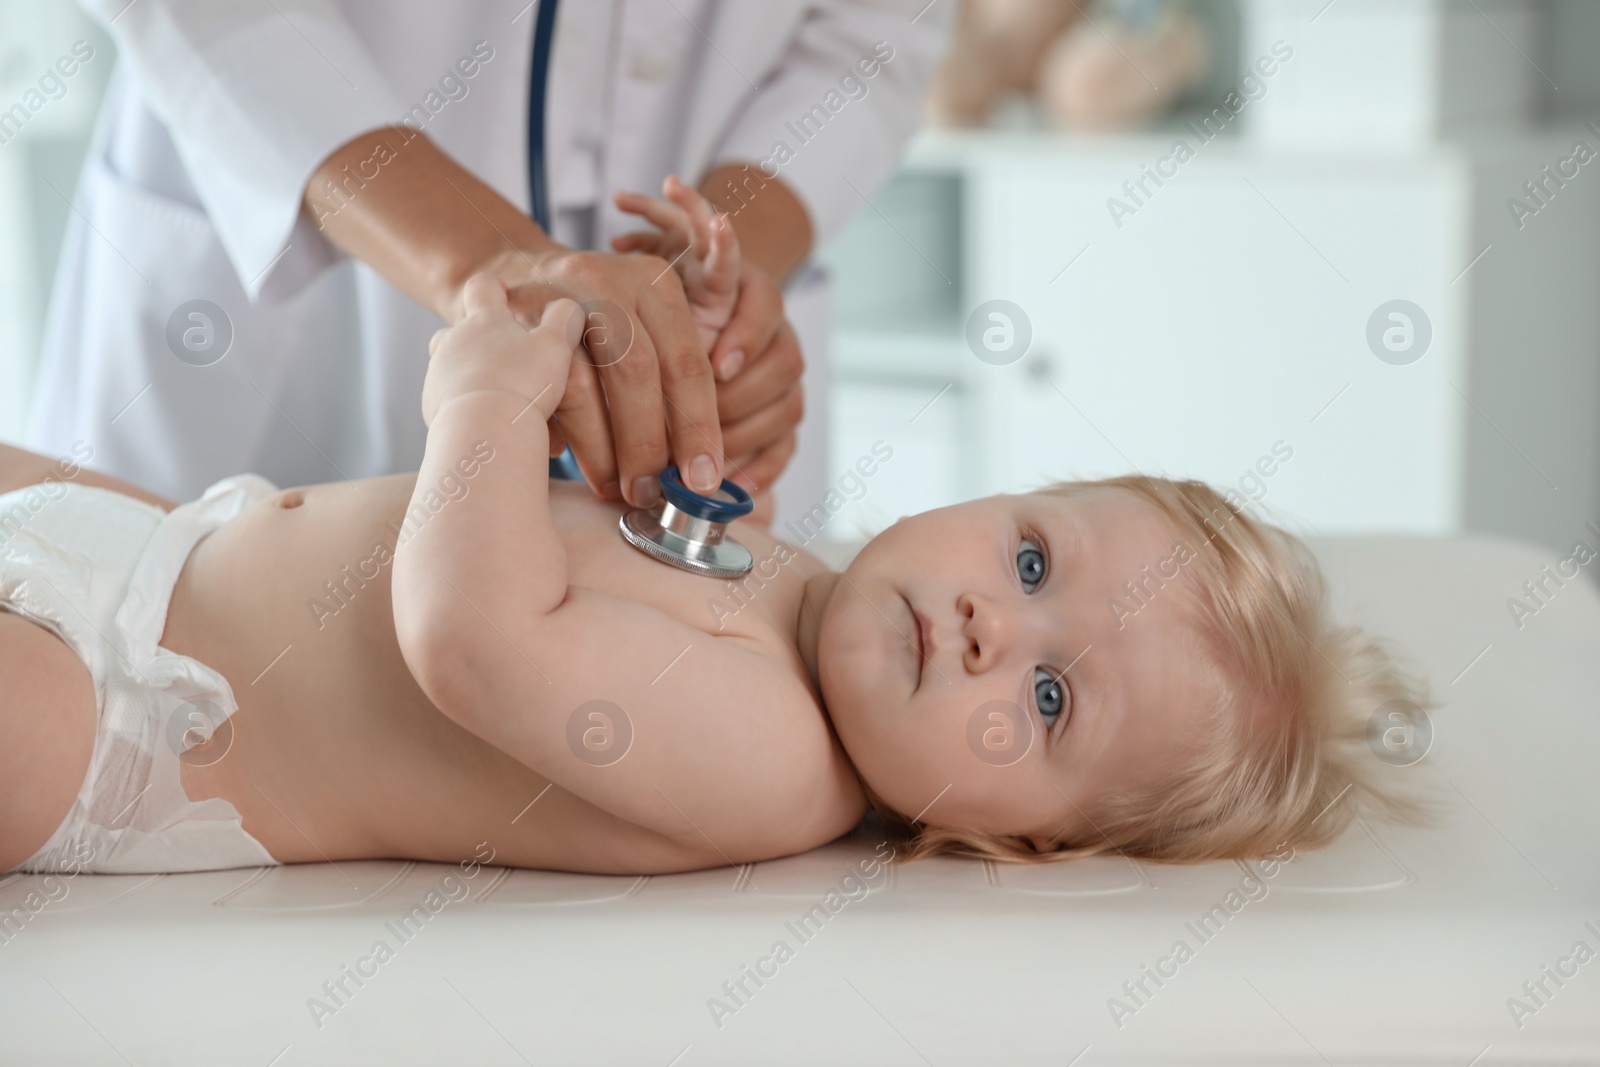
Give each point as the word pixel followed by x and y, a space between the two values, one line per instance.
pixel 1341 257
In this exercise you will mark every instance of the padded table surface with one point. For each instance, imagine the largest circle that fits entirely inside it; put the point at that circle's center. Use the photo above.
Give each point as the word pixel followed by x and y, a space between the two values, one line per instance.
pixel 1394 945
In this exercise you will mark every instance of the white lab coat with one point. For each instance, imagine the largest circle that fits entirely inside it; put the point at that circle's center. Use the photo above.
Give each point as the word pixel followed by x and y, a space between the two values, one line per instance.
pixel 219 113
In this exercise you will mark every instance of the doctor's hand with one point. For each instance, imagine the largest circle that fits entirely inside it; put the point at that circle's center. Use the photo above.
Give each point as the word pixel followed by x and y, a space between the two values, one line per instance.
pixel 643 383
pixel 760 408
pixel 641 380
pixel 759 396
pixel 759 400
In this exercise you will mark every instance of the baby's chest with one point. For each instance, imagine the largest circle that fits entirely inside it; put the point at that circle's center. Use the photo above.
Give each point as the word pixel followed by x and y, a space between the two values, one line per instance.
pixel 761 606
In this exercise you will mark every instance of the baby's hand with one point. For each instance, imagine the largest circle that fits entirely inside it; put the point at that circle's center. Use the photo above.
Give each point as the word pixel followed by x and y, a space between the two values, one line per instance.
pixel 490 350
pixel 698 241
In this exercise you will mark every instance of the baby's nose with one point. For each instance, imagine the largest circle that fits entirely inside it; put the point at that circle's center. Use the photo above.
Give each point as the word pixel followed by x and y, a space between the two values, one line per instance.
pixel 986 629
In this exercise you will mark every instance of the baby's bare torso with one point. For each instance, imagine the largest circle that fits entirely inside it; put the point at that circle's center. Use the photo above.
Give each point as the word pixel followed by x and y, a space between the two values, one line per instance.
pixel 335 751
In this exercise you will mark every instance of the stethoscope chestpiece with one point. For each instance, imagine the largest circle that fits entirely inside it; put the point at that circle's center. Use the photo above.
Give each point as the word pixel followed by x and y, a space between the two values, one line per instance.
pixel 689 529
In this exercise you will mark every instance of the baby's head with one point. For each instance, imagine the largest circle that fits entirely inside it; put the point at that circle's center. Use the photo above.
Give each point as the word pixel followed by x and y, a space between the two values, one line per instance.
pixel 1128 664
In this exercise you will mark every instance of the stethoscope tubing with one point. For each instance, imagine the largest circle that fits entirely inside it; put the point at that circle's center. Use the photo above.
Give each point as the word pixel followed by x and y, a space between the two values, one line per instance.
pixel 565 466
pixel 544 23
pixel 689 530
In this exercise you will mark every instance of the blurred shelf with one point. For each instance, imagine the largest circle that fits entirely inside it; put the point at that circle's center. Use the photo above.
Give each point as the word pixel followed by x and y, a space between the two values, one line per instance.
pixel 962 152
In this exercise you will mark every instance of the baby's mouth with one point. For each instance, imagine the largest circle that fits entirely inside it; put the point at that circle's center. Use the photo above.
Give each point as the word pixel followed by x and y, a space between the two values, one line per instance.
pixel 918 642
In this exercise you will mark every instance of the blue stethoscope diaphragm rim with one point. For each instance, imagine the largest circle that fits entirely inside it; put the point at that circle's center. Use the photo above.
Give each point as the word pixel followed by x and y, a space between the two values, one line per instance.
pixel 734 504
pixel 688 530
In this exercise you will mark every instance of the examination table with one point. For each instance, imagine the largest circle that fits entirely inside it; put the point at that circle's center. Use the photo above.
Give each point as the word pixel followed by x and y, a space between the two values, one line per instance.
pixel 1402 946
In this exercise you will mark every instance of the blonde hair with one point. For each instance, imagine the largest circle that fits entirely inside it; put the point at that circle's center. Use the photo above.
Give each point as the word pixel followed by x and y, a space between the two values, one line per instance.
pixel 1282 755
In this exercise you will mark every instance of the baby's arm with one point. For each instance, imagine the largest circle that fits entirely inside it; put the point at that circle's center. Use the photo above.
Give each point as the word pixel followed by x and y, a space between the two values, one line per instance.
pixel 491 388
pixel 552 673
pixel 698 241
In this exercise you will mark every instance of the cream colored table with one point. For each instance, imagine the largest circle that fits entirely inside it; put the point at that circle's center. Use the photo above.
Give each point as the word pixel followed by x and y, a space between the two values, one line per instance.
pixel 1392 946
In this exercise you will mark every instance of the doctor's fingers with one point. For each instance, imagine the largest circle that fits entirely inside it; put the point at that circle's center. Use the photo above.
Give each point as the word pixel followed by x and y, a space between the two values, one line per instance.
pixel 756 324
pixel 767 426
pixel 687 387
pixel 633 396
pixel 648 242
pixel 761 470
pixel 586 426
pixel 763 380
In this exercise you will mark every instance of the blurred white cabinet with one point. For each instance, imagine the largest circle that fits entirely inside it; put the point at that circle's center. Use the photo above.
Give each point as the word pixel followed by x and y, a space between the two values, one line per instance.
pixel 1400 72
pixel 1221 331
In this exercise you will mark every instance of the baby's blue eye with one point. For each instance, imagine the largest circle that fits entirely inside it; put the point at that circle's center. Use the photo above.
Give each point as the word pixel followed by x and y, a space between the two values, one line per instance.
pixel 1048 694
pixel 1030 565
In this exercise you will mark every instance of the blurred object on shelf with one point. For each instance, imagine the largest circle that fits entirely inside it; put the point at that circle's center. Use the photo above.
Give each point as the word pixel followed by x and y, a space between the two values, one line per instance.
pixel 1150 55
pixel 1107 65
pixel 996 52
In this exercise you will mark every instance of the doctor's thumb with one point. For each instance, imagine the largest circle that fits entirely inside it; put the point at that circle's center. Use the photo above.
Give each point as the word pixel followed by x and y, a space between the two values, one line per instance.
pixel 757 318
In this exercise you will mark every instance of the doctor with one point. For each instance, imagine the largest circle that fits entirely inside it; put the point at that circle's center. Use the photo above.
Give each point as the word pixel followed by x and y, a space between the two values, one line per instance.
pixel 283 199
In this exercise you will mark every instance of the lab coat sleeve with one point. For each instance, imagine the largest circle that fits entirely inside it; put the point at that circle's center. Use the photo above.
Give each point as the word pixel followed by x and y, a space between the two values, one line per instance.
pixel 845 158
pixel 256 94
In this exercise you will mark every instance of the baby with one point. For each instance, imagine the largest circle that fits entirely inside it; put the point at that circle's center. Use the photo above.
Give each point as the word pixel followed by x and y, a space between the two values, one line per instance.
pixel 426 664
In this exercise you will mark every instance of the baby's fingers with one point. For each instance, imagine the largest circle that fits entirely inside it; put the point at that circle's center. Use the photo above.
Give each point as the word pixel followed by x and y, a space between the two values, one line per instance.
pixel 658 213
pixel 722 260
pixel 483 292
pixel 694 208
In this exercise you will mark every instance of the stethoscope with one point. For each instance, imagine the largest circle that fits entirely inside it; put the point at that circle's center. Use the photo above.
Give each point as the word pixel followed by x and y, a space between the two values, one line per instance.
pixel 686 529
pixel 689 529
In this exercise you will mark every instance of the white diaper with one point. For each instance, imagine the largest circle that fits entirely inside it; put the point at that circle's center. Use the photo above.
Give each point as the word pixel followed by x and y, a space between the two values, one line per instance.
pixel 97 568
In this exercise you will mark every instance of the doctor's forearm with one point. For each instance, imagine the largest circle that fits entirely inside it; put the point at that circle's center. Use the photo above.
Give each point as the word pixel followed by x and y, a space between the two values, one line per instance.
pixel 773 226
pixel 394 200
